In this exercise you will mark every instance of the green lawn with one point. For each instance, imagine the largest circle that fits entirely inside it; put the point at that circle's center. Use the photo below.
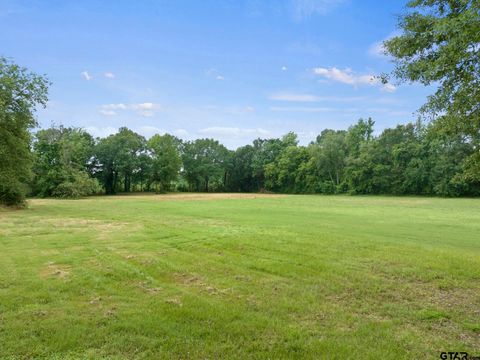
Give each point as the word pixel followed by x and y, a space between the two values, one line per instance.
pixel 225 276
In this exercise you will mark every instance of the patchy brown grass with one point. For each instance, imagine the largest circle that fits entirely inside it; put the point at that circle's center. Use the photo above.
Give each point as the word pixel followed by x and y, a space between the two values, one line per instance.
pixel 55 271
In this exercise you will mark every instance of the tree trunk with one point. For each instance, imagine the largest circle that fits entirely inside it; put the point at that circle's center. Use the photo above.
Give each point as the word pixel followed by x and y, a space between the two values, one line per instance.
pixel 331 177
pixel 115 180
pixel 109 182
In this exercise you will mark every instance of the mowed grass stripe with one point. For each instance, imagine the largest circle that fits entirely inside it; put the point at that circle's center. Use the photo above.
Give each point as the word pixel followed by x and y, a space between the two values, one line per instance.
pixel 200 276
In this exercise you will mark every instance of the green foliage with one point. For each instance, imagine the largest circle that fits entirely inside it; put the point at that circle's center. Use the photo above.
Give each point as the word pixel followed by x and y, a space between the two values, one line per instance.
pixel 130 145
pixel 206 164
pixel 166 161
pixel 407 159
pixel 283 175
pixel 20 93
pixel 265 152
pixel 118 158
pixel 242 174
pixel 63 159
pixel 329 155
pixel 440 44
pixel 78 185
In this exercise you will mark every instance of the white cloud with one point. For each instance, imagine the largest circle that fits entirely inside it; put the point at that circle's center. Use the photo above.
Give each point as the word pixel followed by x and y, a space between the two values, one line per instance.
pixel 345 76
pixel 146 109
pixel 284 68
pixel 305 8
pixel 86 75
pixel 144 106
pixel 348 76
pixel 109 75
pixel 114 106
pixel 339 110
pixel 233 132
pixel 220 77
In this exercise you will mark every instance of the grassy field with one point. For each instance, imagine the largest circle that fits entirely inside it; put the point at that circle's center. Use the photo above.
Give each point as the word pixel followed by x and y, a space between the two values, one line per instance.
pixel 240 276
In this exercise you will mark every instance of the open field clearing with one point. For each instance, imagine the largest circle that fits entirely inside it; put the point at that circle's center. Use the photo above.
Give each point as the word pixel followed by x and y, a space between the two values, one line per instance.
pixel 240 276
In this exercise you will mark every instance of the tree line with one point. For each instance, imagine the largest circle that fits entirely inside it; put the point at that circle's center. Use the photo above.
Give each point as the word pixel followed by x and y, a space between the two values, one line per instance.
pixel 439 44
pixel 408 159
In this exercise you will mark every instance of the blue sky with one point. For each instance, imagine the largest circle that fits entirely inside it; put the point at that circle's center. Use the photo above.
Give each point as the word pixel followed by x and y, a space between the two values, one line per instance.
pixel 231 70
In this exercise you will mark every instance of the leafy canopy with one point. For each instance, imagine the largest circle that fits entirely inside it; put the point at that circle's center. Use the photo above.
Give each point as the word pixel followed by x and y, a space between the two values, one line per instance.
pixel 20 93
pixel 440 45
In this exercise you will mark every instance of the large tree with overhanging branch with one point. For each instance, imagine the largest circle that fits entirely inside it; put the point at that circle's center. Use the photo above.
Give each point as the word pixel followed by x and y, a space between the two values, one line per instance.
pixel 440 45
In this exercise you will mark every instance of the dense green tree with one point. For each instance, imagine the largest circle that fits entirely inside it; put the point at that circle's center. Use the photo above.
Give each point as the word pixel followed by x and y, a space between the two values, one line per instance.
pixel 205 164
pixel 106 163
pixel 63 158
pixel 283 174
pixel 329 154
pixel 359 144
pixel 242 178
pixel 166 161
pixel 21 92
pixel 357 135
pixel 307 178
pixel 131 145
pixel 439 44
pixel 446 163
pixel 143 173
pixel 266 151
pixel 381 164
pixel 117 159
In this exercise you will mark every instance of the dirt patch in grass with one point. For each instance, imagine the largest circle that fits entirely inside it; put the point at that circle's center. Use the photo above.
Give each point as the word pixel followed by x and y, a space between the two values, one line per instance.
pixel 146 287
pixel 195 281
pixel 55 271
pixel 174 301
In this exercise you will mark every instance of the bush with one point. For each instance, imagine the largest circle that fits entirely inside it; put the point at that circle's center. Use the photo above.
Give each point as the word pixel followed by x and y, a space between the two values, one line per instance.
pixel 12 195
pixel 79 185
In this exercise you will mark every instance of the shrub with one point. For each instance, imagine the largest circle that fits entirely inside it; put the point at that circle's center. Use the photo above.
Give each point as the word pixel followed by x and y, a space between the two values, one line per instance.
pixel 12 195
pixel 78 185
